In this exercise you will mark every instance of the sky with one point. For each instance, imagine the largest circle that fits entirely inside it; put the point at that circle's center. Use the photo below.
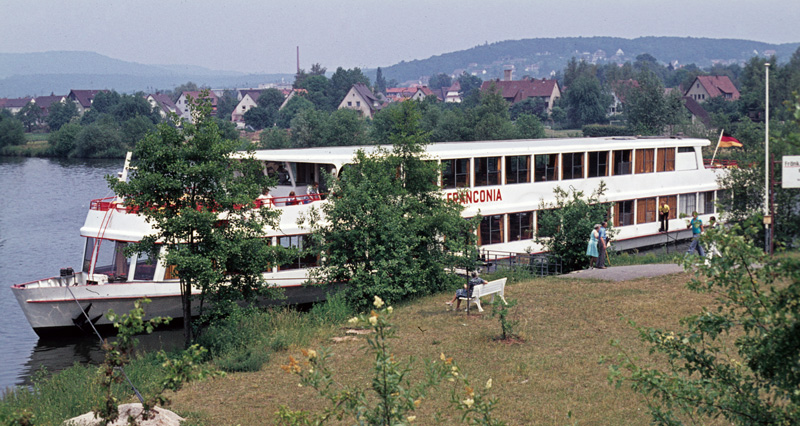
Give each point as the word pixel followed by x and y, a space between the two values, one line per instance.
pixel 262 36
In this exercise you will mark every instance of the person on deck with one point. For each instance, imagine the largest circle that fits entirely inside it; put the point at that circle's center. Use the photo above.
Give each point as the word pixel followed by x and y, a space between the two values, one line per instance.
pixel 663 217
pixel 591 249
pixel 466 292
pixel 697 230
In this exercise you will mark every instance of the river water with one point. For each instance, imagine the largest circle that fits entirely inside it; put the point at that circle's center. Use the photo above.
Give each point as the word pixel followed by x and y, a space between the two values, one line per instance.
pixel 43 204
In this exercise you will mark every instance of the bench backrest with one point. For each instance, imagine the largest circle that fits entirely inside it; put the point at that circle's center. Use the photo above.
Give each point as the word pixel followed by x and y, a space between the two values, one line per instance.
pixel 494 286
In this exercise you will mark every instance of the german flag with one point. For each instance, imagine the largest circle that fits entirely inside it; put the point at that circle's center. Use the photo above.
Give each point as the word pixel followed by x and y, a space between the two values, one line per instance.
pixel 727 141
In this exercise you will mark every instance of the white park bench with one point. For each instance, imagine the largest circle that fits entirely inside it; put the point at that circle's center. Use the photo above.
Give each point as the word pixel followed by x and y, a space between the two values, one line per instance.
pixel 492 287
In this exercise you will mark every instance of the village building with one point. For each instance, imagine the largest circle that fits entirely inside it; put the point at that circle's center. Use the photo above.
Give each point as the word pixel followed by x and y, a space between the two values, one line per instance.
pixel 361 98
pixel 183 103
pixel 163 103
pixel 83 98
pixel 705 87
pixel 515 91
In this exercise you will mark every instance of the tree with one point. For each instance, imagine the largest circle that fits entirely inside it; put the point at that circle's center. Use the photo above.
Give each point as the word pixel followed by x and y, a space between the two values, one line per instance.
pixel 60 114
pixel 12 132
pixel 260 117
pixel 529 127
pixel 29 115
pixel 63 141
pixel 586 102
pixel 186 87
pixel 318 69
pixel 99 140
pixel 493 118
pixel 270 99
pixel 388 232
pixel 440 80
pixel 565 225
pixel 104 101
pixel 292 108
pixel 226 104
pixel 646 108
pixel 184 180
pixel 345 127
pixel 318 89
pixel 274 138
pixel 341 82
pixel 130 106
pixel 308 128
pixel 531 106
pixel 469 83
pixel 380 82
pixel 737 360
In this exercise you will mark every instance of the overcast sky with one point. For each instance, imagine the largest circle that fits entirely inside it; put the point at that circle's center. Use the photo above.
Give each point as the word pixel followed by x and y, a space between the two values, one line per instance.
pixel 262 35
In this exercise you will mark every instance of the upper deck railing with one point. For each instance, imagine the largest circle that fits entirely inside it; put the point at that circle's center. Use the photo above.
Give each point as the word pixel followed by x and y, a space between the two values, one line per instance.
pixel 720 164
pixel 109 203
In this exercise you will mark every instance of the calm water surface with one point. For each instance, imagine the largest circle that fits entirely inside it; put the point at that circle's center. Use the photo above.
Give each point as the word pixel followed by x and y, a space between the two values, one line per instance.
pixel 43 204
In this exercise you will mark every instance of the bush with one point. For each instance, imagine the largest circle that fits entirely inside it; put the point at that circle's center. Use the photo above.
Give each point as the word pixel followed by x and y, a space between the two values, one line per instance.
pixel 12 132
pixel 600 130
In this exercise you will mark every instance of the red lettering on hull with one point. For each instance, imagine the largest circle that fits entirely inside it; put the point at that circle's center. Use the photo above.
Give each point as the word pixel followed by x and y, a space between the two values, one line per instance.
pixel 476 196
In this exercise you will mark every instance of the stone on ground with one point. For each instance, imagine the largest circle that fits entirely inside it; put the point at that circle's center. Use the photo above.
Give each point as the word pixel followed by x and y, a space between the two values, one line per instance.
pixel 160 417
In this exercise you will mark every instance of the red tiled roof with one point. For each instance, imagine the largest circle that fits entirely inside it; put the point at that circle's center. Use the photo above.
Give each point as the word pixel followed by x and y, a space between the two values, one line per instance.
pixel 254 93
pixel 164 101
pixel 44 102
pixel 718 85
pixel 84 97
pixel 622 87
pixel 519 90
pixel 16 102
pixel 698 111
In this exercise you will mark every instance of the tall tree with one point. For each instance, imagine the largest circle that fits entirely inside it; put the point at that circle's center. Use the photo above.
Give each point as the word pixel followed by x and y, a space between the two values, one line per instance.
pixel 469 83
pixel 440 80
pixel 190 173
pixel 270 99
pixel 493 119
pixel 318 89
pixel 12 132
pixel 341 82
pixel 380 81
pixel 318 69
pixel 226 104
pixel 586 102
pixel 60 114
pixel 29 115
pixel 647 108
pixel 389 232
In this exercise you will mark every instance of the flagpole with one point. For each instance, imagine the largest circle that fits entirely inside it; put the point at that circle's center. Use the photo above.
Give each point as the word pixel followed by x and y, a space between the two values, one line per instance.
pixel 717 148
pixel 767 219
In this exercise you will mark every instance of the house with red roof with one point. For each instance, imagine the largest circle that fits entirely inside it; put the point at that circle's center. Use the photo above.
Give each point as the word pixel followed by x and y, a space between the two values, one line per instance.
pixel 83 98
pixel 249 101
pixel 361 98
pixel 183 103
pixel 44 103
pixel 163 103
pixel 619 92
pixel 13 105
pixel 705 87
pixel 515 91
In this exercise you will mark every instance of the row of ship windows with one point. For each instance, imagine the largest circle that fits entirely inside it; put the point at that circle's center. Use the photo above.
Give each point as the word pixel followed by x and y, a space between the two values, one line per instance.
pixel 508 227
pixel 457 173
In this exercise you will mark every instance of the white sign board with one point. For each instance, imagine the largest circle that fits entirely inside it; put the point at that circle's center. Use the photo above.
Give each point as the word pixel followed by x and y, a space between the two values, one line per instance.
pixel 791 171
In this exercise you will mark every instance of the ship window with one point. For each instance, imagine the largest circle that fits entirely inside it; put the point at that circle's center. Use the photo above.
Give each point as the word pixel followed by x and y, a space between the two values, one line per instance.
pixel 300 257
pixel 688 203
pixel 644 160
pixel 110 258
pixel 622 162
pixel 598 164
pixel 487 171
pixel 685 149
pixel 491 230
pixel 665 162
pixel 518 169
pixel 572 165
pixel 546 167
pixel 646 210
pixel 145 267
pixel 623 213
pixel 304 173
pixel 520 226
pixel 707 198
pixel 455 173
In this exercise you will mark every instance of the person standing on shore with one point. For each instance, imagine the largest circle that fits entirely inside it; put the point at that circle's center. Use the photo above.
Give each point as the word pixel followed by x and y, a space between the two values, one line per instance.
pixel 602 244
pixel 697 229
pixel 591 249
pixel 663 216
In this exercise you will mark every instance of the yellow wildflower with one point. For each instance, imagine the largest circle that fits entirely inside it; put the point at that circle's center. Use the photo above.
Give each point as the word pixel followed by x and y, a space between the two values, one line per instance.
pixel 311 354
pixel 378 302
pixel 470 392
pixel 353 320
pixel 441 356
pixel 468 402
pixel 417 402
pixel 411 418
pixel 373 320
pixel 389 309
pixel 489 383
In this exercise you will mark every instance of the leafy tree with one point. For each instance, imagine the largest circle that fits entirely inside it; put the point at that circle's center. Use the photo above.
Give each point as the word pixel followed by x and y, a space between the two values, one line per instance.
pixel 454 125
pixel 753 88
pixel 380 82
pixel 29 115
pixel 12 132
pixel 319 92
pixel 274 138
pixel 60 114
pixel 308 128
pixel 345 127
pixel 493 118
pixel 531 106
pixel 318 69
pixel 440 80
pixel 191 175
pixel 576 70
pixel 226 104
pixel 105 101
pixel 63 141
pixel 529 127
pixel 130 106
pixel 292 108
pixel 186 87
pixel 270 99
pixel 388 232
pixel 647 108
pixel 260 117
pixel 99 140
pixel 134 129
pixel 737 360
pixel 586 102
pixel 565 225
pixel 469 83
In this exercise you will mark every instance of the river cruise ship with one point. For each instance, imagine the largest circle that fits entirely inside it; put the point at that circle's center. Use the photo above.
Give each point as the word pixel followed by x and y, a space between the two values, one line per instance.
pixel 506 182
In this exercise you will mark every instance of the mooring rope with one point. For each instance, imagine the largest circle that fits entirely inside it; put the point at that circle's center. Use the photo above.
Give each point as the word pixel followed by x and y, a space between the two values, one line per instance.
pixel 89 320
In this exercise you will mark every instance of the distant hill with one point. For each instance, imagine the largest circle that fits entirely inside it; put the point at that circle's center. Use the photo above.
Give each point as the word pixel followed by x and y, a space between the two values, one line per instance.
pixel 539 57
pixel 35 74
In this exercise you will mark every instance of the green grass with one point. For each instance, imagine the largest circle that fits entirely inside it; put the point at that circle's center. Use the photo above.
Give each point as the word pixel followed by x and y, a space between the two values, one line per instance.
pixel 36 137
pixel 563 133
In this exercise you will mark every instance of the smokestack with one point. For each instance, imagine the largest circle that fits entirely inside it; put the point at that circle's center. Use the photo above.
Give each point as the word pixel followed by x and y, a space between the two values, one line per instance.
pixel 507 74
pixel 298 59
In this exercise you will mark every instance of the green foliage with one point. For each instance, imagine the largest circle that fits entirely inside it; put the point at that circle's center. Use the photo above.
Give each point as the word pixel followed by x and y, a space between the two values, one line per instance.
pixel 601 130
pixel 388 231
pixel 12 132
pixel 99 140
pixel 319 91
pixel 60 114
pixel 501 310
pixel 191 175
pixel 647 108
pixel 392 398
pixel 565 227
pixel 260 117
pixel 531 106
pixel 226 104
pixel 586 102
pixel 736 360
pixel 29 115
pixel 440 80
pixel 529 127
pixel 341 82
pixel 270 99
pixel 292 108
pixel 274 138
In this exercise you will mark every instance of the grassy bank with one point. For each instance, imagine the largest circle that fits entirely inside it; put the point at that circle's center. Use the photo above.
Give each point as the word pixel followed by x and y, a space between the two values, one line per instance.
pixel 566 325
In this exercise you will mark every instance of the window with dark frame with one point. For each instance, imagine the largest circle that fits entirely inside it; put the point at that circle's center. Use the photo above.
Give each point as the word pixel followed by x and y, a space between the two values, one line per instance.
pixel 520 226
pixel 622 162
pixel 455 173
pixel 707 198
pixel 645 158
pixel 598 164
pixel 665 161
pixel 572 165
pixel 545 167
pixel 487 171
pixel 491 230
pixel 646 210
pixel 623 213
pixel 299 242
pixel 518 169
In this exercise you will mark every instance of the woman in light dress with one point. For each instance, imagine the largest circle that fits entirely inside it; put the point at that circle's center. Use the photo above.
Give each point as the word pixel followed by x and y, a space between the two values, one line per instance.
pixel 591 250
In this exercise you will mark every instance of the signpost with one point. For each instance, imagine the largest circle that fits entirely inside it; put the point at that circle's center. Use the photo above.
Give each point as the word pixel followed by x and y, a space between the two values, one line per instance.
pixel 790 177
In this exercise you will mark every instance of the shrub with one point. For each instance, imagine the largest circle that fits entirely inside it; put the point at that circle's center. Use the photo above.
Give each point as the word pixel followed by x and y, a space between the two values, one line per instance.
pixel 600 130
